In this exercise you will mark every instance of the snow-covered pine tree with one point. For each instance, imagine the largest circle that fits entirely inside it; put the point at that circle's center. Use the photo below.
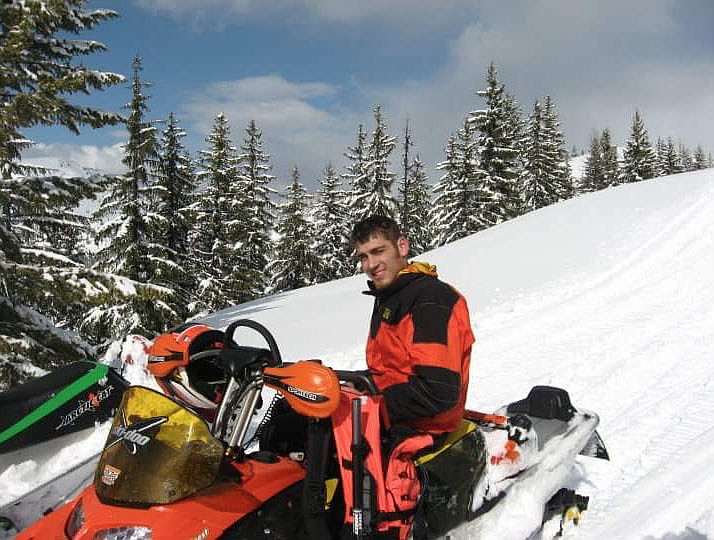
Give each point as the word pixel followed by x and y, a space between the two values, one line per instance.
pixel 608 152
pixel 686 163
pixel 254 174
pixel 40 76
pixel 537 183
pixel 378 199
pixel 559 168
pixel 672 163
pixel 453 200
pixel 661 168
pixel 593 176
pixel 419 233
pixel 700 159
pixel 404 187
pixel 639 160
pixel 414 200
pixel 219 232
pixel 127 219
pixel 498 157
pixel 296 263
pixel 332 220
pixel 355 177
pixel 175 183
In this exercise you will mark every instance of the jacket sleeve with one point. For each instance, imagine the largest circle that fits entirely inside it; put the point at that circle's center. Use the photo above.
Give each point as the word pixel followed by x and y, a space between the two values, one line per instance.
pixel 436 341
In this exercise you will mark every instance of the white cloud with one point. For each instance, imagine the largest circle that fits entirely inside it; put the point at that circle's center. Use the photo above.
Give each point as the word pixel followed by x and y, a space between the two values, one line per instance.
pixel 299 125
pixel 73 157
pixel 412 16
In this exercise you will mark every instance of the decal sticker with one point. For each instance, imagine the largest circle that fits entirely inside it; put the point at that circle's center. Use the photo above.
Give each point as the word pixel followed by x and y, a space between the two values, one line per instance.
pixel 110 475
pixel 202 535
pixel 90 404
pixel 136 435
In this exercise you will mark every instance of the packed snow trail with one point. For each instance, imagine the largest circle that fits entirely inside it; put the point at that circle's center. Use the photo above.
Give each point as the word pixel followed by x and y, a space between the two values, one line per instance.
pixel 609 295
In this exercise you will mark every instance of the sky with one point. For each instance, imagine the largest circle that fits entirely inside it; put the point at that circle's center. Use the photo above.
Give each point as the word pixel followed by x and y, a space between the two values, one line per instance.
pixel 608 295
pixel 310 71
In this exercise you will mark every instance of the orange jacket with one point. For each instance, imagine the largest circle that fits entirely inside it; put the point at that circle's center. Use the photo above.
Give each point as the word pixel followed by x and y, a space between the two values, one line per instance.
pixel 419 350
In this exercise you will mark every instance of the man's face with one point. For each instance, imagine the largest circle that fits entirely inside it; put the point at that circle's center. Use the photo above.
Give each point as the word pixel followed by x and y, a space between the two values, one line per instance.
pixel 381 259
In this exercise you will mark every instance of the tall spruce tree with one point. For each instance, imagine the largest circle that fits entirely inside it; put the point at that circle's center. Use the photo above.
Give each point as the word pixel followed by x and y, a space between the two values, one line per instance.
pixel 174 187
pixel 40 76
pixel 378 198
pixel 219 232
pixel 700 158
pixel 254 173
pixel 593 177
pixel 453 199
pixel 295 264
pixel 498 156
pixel 332 220
pixel 355 177
pixel 686 163
pixel 128 219
pixel 404 184
pixel 608 152
pixel 559 169
pixel 639 160
pixel 419 231
pixel 538 188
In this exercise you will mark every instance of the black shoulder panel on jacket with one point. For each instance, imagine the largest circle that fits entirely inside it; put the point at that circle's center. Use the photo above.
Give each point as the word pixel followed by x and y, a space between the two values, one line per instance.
pixel 431 323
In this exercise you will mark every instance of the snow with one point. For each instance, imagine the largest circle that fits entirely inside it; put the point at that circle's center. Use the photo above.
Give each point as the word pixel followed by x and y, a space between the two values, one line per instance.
pixel 609 295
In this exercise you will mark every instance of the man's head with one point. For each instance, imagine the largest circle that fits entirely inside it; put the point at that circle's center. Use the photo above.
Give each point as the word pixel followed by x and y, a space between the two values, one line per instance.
pixel 380 248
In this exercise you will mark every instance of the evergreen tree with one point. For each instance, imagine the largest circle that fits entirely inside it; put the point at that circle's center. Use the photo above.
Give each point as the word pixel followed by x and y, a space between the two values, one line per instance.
pixel 639 160
pixel 453 200
pixel 498 192
pixel 355 177
pixel 661 168
pixel 296 263
pixel 539 181
pixel 254 174
pixel 378 199
pixel 700 159
pixel 594 177
pixel 686 163
pixel 174 187
pixel 419 232
pixel 332 220
pixel 558 167
pixel 608 152
pixel 672 164
pixel 219 232
pixel 125 234
pixel 415 202
pixel 40 76
pixel 404 187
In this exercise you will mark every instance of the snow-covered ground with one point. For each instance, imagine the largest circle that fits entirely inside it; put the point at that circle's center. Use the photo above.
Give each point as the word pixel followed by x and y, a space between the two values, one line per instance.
pixel 609 295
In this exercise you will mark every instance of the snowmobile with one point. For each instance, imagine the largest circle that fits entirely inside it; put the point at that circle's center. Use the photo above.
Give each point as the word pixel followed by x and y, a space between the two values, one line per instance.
pixel 44 415
pixel 318 465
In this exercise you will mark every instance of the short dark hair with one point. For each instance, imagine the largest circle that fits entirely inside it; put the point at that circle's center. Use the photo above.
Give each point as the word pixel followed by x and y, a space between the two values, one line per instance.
pixel 375 225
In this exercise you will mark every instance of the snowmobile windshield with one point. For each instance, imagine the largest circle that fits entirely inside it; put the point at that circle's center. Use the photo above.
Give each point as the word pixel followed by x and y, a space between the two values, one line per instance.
pixel 157 452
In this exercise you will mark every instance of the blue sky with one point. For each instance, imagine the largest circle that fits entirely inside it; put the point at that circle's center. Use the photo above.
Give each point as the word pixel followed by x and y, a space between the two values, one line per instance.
pixel 309 71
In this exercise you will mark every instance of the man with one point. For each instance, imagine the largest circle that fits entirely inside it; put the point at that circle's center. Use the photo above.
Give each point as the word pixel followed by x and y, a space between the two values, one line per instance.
pixel 420 338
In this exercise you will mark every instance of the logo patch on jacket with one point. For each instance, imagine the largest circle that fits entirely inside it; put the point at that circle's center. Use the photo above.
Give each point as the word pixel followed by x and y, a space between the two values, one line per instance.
pixel 386 314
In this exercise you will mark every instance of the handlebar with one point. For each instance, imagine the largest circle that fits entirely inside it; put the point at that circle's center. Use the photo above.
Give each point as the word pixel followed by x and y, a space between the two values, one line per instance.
pixel 360 379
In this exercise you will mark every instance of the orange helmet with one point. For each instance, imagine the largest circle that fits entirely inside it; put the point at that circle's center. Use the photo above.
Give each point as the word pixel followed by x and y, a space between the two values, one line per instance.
pixel 179 362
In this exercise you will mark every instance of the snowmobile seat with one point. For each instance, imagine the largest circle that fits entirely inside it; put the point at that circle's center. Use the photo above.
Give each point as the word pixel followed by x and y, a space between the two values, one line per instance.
pixel 546 402
pixel 18 402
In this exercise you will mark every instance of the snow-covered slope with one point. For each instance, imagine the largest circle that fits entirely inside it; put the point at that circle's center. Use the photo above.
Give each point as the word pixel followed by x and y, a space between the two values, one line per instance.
pixel 609 295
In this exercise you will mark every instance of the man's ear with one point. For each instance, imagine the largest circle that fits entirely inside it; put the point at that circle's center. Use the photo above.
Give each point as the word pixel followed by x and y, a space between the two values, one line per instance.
pixel 403 246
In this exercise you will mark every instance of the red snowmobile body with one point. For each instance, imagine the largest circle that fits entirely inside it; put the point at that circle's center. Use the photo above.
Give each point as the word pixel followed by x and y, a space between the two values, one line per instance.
pixel 164 474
